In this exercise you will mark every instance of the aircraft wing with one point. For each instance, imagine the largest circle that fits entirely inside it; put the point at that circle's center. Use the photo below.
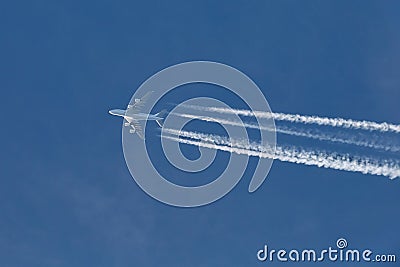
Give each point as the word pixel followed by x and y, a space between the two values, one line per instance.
pixel 139 104
pixel 138 129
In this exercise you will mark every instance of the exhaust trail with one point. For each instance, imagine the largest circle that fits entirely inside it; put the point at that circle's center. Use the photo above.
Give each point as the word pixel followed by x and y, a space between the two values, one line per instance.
pixel 316 135
pixel 320 159
pixel 297 118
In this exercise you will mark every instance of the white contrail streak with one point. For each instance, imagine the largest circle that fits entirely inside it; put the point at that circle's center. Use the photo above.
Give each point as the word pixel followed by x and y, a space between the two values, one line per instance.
pixel 289 154
pixel 296 118
pixel 297 132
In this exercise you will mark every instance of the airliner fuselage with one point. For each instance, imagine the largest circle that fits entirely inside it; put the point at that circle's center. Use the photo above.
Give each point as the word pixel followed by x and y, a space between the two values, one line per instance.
pixel 136 117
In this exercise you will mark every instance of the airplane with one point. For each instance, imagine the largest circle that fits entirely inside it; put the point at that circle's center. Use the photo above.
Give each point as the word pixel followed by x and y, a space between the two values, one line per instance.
pixel 132 115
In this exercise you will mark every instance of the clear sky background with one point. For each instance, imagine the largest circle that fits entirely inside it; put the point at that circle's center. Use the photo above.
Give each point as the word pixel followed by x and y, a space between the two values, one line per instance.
pixel 66 195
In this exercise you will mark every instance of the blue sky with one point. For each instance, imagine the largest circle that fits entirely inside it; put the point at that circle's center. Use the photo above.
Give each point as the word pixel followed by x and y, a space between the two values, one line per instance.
pixel 66 195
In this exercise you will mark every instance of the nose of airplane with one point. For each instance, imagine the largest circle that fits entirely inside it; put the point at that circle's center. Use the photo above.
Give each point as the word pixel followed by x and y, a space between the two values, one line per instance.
pixel 117 112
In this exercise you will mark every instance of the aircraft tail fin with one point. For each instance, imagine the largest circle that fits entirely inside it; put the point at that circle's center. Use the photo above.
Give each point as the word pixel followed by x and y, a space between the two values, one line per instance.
pixel 161 115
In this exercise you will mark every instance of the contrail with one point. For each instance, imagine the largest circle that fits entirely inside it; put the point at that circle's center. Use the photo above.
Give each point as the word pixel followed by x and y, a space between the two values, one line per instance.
pixel 335 161
pixel 297 132
pixel 296 118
